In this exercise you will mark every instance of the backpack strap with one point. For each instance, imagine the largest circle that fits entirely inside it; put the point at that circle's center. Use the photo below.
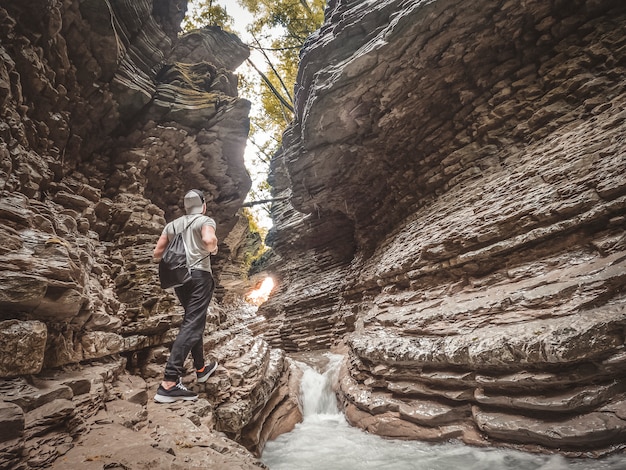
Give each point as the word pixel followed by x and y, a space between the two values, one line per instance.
pixel 192 221
pixel 201 259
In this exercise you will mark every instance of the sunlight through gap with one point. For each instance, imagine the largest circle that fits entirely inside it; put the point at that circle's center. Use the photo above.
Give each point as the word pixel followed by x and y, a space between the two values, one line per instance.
pixel 262 293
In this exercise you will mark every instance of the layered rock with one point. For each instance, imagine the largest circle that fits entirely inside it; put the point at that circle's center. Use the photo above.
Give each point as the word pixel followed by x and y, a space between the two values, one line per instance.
pixel 107 116
pixel 456 214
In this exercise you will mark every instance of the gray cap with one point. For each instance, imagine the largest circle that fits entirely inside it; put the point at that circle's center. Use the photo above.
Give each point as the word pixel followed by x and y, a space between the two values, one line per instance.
pixel 194 200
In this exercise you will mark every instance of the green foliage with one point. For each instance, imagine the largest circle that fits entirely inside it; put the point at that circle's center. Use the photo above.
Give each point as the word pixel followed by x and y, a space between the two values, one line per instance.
pixel 285 25
pixel 254 226
pixel 205 13
pixel 252 257
pixel 278 31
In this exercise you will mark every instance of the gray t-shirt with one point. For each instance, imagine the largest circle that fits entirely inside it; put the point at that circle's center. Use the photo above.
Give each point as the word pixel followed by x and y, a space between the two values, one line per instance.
pixel 197 255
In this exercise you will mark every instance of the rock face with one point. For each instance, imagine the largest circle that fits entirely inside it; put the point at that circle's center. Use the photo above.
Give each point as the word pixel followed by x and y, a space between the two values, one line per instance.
pixel 107 116
pixel 457 216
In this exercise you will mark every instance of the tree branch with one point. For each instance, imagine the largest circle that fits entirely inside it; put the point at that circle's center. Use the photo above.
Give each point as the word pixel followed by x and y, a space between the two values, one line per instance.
pixel 275 92
pixel 269 62
pixel 262 201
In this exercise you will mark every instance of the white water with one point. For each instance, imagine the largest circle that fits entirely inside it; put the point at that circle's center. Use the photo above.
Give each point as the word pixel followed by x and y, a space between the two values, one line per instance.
pixel 325 441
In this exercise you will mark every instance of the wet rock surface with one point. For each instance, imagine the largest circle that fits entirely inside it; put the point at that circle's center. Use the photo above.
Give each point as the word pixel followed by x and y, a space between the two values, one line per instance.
pixel 459 219
pixel 455 219
pixel 107 116
pixel 103 414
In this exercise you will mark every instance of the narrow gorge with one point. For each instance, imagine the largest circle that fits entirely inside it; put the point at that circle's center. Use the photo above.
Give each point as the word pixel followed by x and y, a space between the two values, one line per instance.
pixel 451 218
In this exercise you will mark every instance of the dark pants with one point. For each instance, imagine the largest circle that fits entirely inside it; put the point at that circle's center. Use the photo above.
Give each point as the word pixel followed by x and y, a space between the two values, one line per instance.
pixel 195 297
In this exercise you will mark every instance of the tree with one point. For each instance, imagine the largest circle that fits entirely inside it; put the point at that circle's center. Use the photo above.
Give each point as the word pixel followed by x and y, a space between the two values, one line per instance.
pixel 206 12
pixel 278 31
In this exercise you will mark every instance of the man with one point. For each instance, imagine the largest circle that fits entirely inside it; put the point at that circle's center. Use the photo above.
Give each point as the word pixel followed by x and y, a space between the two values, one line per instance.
pixel 195 296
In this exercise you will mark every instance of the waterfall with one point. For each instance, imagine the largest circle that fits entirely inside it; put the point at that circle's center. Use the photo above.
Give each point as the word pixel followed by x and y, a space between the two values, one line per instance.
pixel 325 441
pixel 316 390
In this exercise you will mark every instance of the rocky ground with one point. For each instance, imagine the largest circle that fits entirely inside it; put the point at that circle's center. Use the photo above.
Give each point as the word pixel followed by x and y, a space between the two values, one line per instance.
pixel 134 432
pixel 103 413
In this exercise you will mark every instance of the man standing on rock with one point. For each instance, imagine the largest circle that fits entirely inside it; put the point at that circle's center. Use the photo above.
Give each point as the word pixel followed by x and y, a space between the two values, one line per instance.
pixel 195 296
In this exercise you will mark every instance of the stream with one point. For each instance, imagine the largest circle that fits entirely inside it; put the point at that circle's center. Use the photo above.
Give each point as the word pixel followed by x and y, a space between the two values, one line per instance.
pixel 325 441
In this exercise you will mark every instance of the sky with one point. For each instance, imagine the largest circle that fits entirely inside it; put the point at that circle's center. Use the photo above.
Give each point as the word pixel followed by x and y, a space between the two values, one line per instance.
pixel 241 16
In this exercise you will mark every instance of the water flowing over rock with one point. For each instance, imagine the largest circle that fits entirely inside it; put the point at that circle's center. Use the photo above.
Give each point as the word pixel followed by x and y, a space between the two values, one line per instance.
pixel 456 183
pixel 108 115
pixel 455 223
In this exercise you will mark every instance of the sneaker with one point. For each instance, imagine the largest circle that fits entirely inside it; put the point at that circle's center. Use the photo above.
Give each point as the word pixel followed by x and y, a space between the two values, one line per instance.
pixel 176 393
pixel 204 373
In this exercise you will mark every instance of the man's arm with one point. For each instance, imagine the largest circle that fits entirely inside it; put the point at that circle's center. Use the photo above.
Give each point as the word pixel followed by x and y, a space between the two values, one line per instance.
pixel 160 247
pixel 209 239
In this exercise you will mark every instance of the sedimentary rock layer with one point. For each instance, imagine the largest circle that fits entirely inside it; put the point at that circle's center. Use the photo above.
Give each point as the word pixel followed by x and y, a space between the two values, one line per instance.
pixel 107 116
pixel 457 183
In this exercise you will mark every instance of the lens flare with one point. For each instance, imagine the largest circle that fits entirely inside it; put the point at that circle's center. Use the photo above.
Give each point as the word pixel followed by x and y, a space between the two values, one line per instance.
pixel 261 294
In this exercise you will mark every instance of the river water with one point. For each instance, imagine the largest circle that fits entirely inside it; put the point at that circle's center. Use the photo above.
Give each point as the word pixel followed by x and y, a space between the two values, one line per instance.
pixel 325 441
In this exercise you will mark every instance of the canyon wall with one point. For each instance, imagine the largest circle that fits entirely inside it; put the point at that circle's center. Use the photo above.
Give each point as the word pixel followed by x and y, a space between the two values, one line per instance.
pixel 456 219
pixel 108 115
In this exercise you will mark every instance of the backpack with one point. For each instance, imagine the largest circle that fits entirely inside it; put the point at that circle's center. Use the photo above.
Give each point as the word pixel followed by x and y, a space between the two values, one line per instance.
pixel 173 269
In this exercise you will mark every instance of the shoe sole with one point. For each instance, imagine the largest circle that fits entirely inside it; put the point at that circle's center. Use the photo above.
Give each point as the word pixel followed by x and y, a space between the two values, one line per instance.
pixel 206 377
pixel 165 399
